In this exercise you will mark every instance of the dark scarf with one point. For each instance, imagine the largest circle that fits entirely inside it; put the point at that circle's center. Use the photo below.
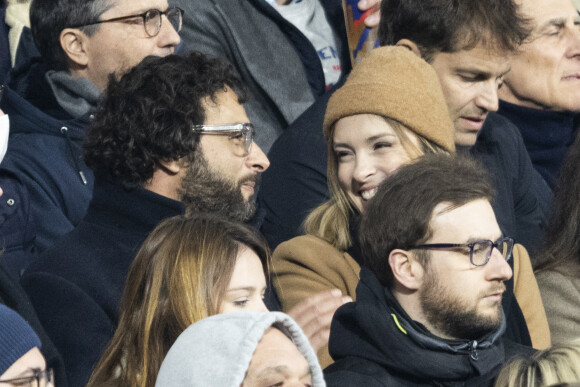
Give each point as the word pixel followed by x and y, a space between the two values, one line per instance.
pixel 77 96
pixel 377 329
pixel 547 136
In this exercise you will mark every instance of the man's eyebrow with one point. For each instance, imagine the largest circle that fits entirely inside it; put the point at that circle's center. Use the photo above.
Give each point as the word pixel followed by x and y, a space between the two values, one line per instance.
pixel 476 239
pixel 556 22
pixel 480 73
pixel 505 72
pixel 280 370
pixel 269 371
pixel 475 72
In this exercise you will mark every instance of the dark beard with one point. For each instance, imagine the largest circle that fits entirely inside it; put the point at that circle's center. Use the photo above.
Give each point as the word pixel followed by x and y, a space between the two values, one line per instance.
pixel 451 316
pixel 204 190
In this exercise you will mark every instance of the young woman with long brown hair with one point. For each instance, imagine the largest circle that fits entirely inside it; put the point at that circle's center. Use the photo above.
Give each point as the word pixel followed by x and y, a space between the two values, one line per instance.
pixel 186 270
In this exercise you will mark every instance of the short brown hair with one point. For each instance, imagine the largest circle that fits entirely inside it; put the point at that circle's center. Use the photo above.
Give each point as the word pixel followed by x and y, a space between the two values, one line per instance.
pixel 399 215
pixel 451 25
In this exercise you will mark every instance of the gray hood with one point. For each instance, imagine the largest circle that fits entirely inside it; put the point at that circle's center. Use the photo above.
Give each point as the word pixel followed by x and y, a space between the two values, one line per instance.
pixel 217 351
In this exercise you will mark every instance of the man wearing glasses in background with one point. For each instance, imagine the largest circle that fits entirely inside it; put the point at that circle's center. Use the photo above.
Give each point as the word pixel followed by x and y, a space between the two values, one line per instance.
pixel 428 309
pixel 51 100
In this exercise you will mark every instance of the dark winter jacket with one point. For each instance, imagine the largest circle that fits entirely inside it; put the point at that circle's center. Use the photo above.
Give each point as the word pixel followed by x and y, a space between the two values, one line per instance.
pixel 523 198
pixel 375 343
pixel 547 136
pixel 47 187
pixel 5 64
pixel 76 285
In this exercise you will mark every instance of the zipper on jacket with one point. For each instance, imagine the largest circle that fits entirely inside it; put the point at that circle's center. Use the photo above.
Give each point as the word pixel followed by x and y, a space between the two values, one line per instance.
pixel 473 350
pixel 64 130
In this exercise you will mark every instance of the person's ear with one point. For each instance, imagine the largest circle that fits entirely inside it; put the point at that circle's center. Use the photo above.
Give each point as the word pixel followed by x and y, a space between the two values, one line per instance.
pixel 410 45
pixel 406 269
pixel 172 167
pixel 75 45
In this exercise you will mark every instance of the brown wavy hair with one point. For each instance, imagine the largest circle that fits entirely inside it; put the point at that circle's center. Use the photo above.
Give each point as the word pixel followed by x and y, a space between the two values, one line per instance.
pixel 179 276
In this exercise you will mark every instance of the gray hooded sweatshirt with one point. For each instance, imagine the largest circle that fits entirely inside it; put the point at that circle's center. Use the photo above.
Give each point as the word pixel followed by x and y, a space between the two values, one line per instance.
pixel 217 351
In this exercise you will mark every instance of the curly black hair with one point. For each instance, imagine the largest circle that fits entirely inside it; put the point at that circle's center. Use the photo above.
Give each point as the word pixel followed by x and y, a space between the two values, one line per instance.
pixel 147 115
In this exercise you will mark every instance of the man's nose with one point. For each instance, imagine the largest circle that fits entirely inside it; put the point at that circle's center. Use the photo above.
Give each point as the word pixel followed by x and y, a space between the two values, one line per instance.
pixel 487 98
pixel 257 159
pixel 498 267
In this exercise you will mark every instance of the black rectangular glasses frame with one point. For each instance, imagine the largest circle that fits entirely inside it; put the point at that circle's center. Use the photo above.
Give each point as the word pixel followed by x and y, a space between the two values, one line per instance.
pixel 490 245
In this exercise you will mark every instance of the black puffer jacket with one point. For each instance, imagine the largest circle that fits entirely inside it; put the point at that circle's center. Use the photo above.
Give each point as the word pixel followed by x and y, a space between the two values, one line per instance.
pixel 375 343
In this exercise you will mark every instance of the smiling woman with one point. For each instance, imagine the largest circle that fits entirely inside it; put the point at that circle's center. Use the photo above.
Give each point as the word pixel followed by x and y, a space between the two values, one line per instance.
pixel 390 111
pixel 186 270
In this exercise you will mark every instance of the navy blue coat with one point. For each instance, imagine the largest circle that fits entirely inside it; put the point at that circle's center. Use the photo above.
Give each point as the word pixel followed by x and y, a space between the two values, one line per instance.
pixel 47 186
pixel 5 64
pixel 547 136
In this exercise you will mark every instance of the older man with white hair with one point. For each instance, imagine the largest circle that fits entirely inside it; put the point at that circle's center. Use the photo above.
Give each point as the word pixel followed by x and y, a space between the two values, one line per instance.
pixel 541 93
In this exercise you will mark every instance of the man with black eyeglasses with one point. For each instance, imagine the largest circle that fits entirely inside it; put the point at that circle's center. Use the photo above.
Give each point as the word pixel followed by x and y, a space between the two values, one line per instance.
pixel 52 99
pixel 429 303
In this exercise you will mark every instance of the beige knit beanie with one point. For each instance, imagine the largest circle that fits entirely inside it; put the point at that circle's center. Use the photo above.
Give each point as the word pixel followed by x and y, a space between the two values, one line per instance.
pixel 393 82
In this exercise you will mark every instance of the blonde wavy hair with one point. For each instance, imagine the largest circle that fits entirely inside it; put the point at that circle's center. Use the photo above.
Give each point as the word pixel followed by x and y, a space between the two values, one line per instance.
pixel 555 365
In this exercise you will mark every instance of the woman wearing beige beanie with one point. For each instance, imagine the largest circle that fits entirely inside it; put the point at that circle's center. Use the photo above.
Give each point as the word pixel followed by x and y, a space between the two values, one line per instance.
pixel 390 111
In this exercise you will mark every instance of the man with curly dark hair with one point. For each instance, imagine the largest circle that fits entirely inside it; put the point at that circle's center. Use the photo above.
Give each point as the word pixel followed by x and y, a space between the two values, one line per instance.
pixel 170 136
pixel 142 136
